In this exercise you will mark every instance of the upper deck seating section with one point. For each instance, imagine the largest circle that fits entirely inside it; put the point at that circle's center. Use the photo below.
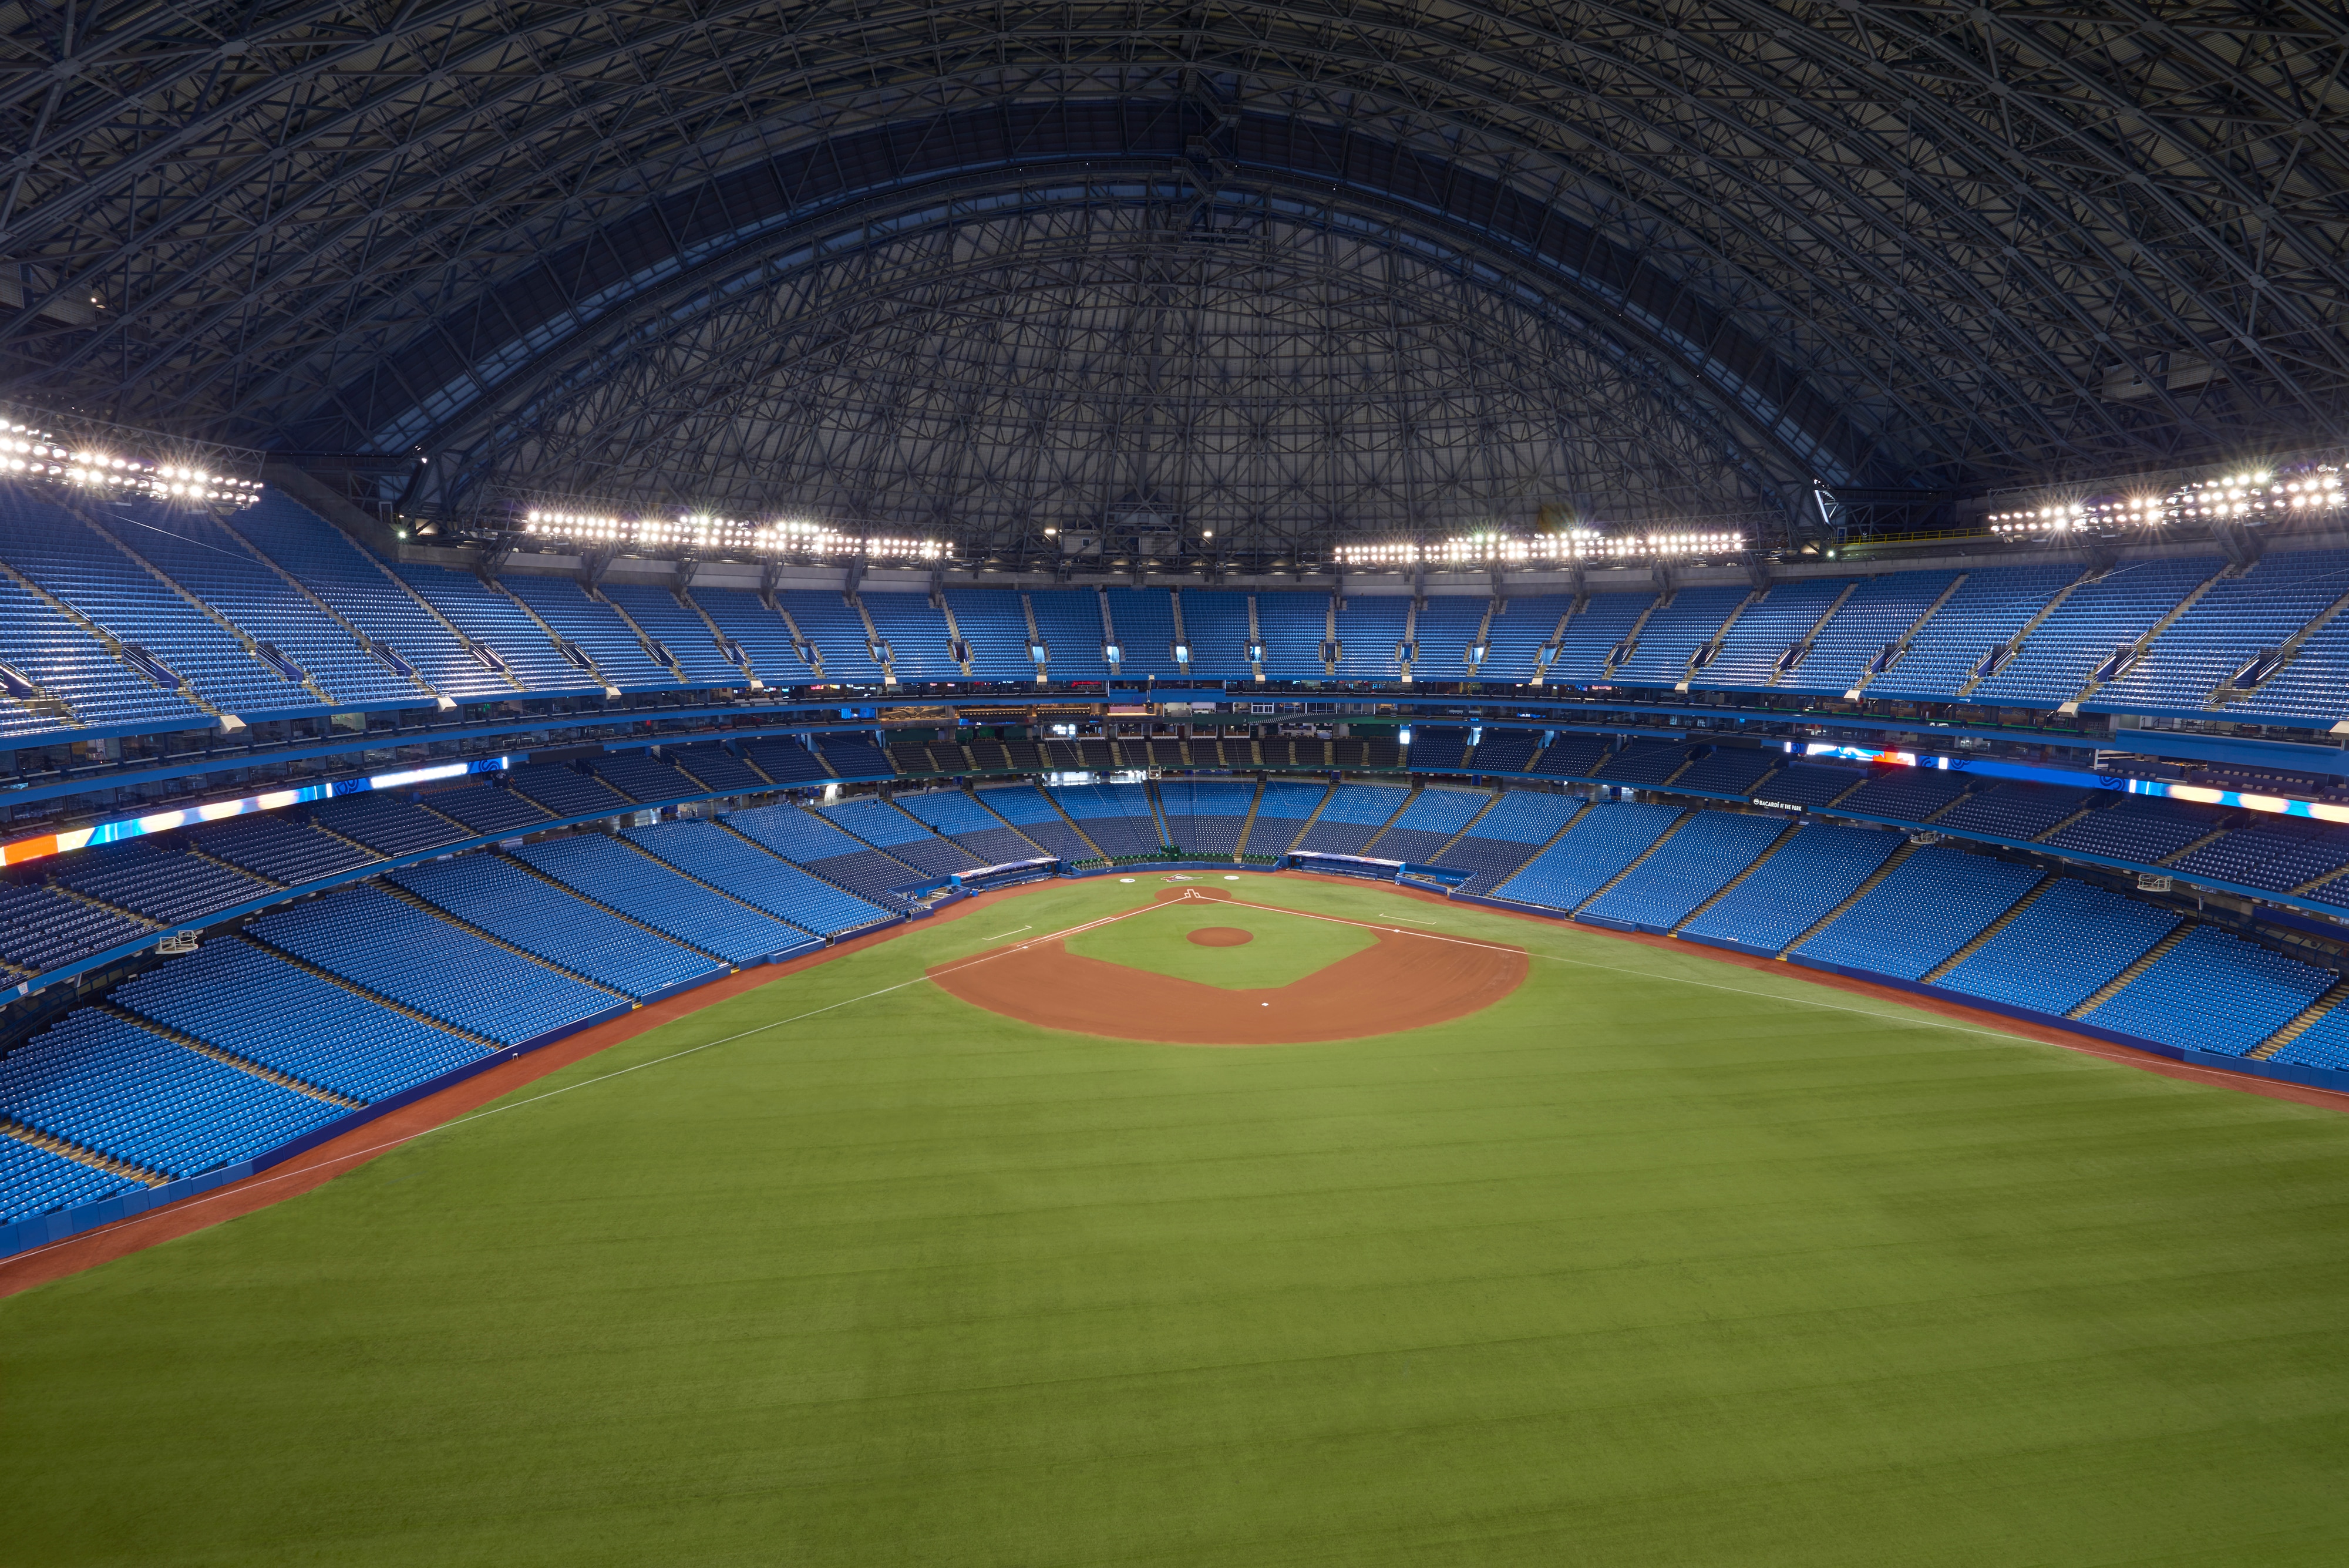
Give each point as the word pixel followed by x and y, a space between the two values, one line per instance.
pixel 1880 611
pixel 829 621
pixel 1070 621
pixel 757 630
pixel 2314 688
pixel 900 836
pixel 1813 872
pixel 1444 631
pixel 1931 904
pixel 1144 621
pixel 157 878
pixel 110 1084
pixel 656 611
pixel 76 564
pixel 1592 634
pixel 1521 627
pixel 916 633
pixel 1507 836
pixel 1781 619
pixel 497 895
pixel 1990 606
pixel 2055 955
pixel 596 627
pixel 1370 629
pixel 1353 815
pixel 1028 809
pixel 34 1182
pixel 2212 992
pixel 424 964
pixel 2096 620
pixel 642 887
pixel 2223 631
pixel 1695 863
pixel 1293 626
pixel 42 929
pixel 498 623
pixel 970 824
pixel 1216 622
pixel 994 627
pixel 327 563
pixel 1674 634
pixel 1433 820
pixel 231 994
pixel 1603 841
pixel 280 846
pixel 209 561
pixel 68 664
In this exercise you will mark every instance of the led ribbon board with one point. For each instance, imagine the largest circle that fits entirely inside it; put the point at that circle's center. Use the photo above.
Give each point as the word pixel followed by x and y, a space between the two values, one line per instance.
pixel 42 846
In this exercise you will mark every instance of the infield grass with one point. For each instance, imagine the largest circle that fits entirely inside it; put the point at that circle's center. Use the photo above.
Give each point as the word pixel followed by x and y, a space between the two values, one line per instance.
pixel 1660 1261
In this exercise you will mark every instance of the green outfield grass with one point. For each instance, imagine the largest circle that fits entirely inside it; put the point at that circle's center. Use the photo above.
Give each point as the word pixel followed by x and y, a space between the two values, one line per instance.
pixel 1660 1261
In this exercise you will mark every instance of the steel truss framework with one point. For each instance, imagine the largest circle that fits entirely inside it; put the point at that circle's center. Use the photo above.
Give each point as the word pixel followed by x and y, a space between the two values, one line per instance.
pixel 1676 255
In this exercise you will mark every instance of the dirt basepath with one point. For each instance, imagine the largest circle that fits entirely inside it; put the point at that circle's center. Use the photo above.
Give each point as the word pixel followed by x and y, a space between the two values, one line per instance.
pixel 1402 981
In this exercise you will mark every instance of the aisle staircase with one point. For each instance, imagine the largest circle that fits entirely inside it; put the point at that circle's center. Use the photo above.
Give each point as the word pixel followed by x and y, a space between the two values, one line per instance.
pixel 1983 936
pixel 1892 863
pixel 2145 961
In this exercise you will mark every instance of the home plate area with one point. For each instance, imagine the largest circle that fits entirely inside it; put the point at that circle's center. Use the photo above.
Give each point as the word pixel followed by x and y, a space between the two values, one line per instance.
pixel 1198 966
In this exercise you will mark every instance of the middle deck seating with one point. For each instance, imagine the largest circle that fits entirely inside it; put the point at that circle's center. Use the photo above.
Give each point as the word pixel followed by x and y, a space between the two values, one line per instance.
pixel 1931 904
pixel 42 929
pixel 710 852
pixel 281 847
pixel 717 770
pixel 1906 795
pixel 397 951
pixel 486 808
pixel 1695 863
pixel 1730 770
pixel 497 895
pixel 786 761
pixel 635 884
pixel 854 757
pixel 2019 811
pixel 565 793
pixel 2141 830
pixel 901 838
pixel 1503 752
pixel 2278 854
pixel 233 995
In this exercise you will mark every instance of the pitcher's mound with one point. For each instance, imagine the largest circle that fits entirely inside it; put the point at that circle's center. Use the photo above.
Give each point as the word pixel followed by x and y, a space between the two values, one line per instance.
pixel 1222 937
